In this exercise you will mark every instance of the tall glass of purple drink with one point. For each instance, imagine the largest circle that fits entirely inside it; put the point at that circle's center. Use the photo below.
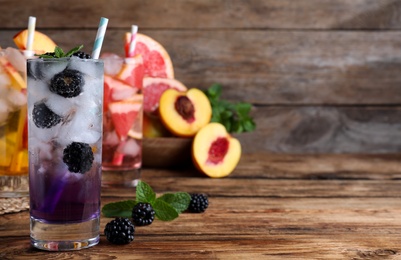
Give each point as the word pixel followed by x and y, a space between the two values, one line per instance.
pixel 65 104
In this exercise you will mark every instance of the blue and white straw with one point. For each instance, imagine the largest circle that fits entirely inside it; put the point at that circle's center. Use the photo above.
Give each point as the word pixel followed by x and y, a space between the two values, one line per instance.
pixel 99 37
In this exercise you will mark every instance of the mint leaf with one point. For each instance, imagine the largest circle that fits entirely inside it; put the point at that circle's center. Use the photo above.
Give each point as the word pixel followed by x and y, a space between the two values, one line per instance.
pixel 58 52
pixel 119 209
pixel 145 193
pixel 179 201
pixel 73 50
pixel 234 116
pixel 164 211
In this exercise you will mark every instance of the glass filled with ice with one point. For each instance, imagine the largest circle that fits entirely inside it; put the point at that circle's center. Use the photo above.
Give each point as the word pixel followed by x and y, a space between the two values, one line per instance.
pixel 122 120
pixel 13 128
pixel 65 103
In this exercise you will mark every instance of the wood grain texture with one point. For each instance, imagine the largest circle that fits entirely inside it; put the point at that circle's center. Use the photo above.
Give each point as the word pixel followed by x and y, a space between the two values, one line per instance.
pixel 192 14
pixel 271 207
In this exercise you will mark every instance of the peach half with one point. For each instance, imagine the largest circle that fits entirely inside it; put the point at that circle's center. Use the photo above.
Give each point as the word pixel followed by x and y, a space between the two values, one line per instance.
pixel 214 151
pixel 41 42
pixel 184 113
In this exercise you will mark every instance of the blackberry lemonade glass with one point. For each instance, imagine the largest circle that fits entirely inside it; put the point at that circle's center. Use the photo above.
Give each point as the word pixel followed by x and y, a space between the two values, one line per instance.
pixel 65 99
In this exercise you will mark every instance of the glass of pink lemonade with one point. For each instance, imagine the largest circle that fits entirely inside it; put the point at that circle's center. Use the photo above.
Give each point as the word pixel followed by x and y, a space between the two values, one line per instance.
pixel 122 120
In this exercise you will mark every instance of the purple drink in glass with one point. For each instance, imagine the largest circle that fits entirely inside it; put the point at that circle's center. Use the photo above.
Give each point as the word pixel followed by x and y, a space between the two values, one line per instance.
pixel 65 98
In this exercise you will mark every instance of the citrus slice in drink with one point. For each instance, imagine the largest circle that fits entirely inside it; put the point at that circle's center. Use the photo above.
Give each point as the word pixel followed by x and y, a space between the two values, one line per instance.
pixel 123 115
pixel 132 72
pixel 153 88
pixel 156 60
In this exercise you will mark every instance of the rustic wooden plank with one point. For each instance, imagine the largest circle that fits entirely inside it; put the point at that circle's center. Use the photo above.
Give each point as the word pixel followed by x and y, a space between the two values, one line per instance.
pixel 272 247
pixel 274 67
pixel 282 14
pixel 325 130
pixel 300 166
pixel 234 217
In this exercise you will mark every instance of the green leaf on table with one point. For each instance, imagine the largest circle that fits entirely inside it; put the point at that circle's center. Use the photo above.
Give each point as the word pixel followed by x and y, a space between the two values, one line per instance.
pixel 234 116
pixel 179 200
pixel 164 211
pixel 145 193
pixel 119 209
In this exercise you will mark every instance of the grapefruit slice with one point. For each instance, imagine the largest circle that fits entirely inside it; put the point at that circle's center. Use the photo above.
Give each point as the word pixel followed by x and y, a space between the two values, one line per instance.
pixel 123 115
pixel 153 88
pixel 41 42
pixel 156 60
pixel 116 90
pixel 132 72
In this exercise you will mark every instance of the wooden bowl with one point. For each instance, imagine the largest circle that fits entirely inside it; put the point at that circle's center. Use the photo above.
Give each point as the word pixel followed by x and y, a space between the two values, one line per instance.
pixel 166 152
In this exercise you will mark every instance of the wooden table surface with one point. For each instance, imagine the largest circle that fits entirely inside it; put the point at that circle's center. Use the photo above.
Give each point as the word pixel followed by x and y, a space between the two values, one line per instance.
pixel 271 207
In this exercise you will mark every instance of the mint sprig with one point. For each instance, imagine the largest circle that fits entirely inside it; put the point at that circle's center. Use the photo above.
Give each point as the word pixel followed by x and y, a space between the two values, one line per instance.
pixel 234 116
pixel 59 53
pixel 167 207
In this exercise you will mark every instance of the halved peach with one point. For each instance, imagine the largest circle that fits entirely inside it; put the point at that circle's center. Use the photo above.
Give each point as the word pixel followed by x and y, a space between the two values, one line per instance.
pixel 184 113
pixel 41 42
pixel 214 151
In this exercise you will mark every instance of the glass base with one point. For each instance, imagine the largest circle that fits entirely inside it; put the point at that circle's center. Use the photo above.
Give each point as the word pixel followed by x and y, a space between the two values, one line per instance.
pixel 64 237
pixel 14 186
pixel 120 178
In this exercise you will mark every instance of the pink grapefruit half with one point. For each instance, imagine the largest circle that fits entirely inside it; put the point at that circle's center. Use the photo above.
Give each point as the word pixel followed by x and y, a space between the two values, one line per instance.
pixel 157 62
pixel 153 88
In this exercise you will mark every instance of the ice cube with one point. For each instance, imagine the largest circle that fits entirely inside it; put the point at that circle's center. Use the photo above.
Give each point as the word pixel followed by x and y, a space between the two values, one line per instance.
pixel 45 70
pixel 130 147
pixel 112 63
pixel 84 125
pixel 43 134
pixel 60 105
pixel 88 68
pixel 92 93
pixel 111 138
pixel 17 59
pixel 38 91
pixel 16 99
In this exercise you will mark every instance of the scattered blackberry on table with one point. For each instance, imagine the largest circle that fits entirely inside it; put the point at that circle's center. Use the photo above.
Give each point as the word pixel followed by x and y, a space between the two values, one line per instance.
pixel 199 203
pixel 44 117
pixel 78 157
pixel 68 83
pixel 120 231
pixel 82 55
pixel 143 214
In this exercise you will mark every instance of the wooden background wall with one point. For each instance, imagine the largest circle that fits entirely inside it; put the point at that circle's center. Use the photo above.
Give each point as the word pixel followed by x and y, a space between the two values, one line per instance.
pixel 324 75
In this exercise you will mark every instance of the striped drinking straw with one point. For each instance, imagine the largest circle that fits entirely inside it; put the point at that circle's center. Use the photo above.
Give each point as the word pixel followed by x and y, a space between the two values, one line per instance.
pixel 99 38
pixel 134 30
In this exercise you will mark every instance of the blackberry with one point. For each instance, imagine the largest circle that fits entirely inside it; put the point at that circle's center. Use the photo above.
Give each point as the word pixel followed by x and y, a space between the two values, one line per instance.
pixel 199 203
pixel 82 55
pixel 143 214
pixel 44 117
pixel 67 83
pixel 120 231
pixel 78 157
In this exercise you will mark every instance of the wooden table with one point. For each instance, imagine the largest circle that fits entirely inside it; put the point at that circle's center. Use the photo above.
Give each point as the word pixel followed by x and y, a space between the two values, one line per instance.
pixel 272 207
